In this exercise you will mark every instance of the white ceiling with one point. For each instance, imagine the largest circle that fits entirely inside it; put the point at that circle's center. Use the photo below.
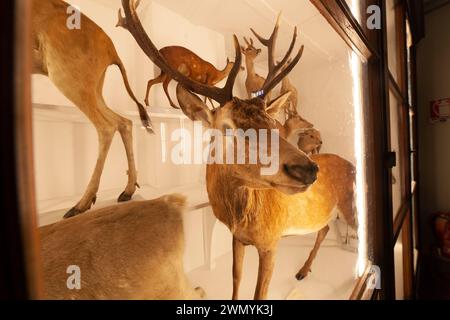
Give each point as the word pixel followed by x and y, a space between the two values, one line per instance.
pixel 322 44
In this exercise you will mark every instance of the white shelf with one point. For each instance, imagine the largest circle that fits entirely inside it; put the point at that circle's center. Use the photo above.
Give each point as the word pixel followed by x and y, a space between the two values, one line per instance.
pixel 51 112
pixel 52 210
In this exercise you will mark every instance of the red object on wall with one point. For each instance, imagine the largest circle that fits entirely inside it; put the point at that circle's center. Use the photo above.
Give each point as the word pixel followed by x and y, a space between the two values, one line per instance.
pixel 442 229
pixel 440 110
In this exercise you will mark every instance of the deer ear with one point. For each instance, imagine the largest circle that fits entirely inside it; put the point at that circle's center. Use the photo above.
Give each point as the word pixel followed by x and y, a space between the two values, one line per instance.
pixel 277 105
pixel 193 107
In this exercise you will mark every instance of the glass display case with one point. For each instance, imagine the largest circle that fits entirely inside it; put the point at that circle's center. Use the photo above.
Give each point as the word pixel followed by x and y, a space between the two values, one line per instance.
pixel 347 93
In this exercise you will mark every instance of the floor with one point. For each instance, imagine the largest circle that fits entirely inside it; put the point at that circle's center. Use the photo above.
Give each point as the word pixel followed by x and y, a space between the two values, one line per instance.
pixel 332 277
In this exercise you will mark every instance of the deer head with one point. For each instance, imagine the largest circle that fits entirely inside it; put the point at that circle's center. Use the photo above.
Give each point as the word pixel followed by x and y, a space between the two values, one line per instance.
pixel 296 171
pixel 250 51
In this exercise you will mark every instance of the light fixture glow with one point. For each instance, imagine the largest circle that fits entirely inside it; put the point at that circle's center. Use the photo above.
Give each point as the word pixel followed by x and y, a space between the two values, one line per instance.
pixel 361 201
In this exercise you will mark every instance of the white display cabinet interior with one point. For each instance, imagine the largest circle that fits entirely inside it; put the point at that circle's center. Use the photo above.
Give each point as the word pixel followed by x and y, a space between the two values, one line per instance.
pixel 65 142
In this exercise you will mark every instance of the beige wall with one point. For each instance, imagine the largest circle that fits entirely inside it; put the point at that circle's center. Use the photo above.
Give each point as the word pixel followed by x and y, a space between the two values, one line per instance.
pixel 434 83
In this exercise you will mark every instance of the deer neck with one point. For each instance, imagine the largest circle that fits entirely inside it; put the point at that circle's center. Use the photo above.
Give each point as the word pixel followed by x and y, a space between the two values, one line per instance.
pixel 245 211
pixel 250 64
pixel 222 74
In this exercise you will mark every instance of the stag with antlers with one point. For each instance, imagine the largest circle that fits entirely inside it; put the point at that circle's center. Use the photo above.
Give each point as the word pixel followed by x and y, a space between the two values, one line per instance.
pixel 78 71
pixel 259 209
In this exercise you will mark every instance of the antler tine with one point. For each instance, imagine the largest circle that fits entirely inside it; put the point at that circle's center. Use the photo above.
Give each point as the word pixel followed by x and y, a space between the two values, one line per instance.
pixel 278 71
pixel 246 41
pixel 132 23
pixel 229 85
pixel 270 44
pixel 270 85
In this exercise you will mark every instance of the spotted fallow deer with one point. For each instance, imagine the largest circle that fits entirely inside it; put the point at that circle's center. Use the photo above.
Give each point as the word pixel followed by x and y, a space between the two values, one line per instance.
pixel 126 251
pixel 258 209
pixel 194 67
pixel 76 62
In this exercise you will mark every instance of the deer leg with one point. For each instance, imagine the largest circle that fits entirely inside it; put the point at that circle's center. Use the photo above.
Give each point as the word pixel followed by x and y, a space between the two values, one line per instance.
pixel 303 272
pixel 238 259
pixel 212 103
pixel 105 136
pixel 126 132
pixel 266 265
pixel 166 90
pixel 152 82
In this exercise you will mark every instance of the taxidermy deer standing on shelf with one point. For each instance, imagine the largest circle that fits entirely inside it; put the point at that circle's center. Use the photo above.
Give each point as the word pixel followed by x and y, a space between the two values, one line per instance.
pixel 258 209
pixel 76 62
pixel 191 65
pixel 254 82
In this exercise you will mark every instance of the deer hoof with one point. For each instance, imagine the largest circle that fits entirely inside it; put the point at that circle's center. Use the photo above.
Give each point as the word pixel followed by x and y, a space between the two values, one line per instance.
pixel 124 197
pixel 302 274
pixel 72 213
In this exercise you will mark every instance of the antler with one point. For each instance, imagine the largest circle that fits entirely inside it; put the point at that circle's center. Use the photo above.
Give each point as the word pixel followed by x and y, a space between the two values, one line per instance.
pixel 249 43
pixel 132 23
pixel 278 71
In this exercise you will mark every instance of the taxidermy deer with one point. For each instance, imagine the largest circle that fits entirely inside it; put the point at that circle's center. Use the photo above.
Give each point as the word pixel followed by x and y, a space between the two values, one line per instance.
pixel 310 141
pixel 76 62
pixel 193 66
pixel 291 104
pixel 254 81
pixel 127 251
pixel 258 209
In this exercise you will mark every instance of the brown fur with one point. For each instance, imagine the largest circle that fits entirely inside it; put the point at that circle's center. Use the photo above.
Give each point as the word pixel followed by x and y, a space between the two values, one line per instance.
pixel 128 251
pixel 254 82
pixel 310 141
pixel 259 210
pixel 193 67
pixel 260 217
pixel 286 86
pixel 76 62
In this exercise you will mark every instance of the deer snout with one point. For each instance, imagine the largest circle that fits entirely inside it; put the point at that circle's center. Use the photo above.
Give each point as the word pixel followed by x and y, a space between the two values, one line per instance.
pixel 306 174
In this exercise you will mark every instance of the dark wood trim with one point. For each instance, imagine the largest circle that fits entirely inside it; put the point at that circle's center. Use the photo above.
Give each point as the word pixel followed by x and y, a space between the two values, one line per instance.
pixel 416 200
pixel 361 285
pixel 341 19
pixel 386 229
pixel 396 90
pixel 400 219
pixel 408 258
pixel 24 149
pixel 416 15
pixel 407 240
pixel 20 265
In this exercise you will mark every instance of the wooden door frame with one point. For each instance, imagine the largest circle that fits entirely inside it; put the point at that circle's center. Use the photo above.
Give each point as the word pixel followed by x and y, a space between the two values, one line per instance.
pixel 369 45
pixel 20 273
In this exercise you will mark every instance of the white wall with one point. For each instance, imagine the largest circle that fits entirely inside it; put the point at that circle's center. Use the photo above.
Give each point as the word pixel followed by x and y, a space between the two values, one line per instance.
pixel 326 100
pixel 434 83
